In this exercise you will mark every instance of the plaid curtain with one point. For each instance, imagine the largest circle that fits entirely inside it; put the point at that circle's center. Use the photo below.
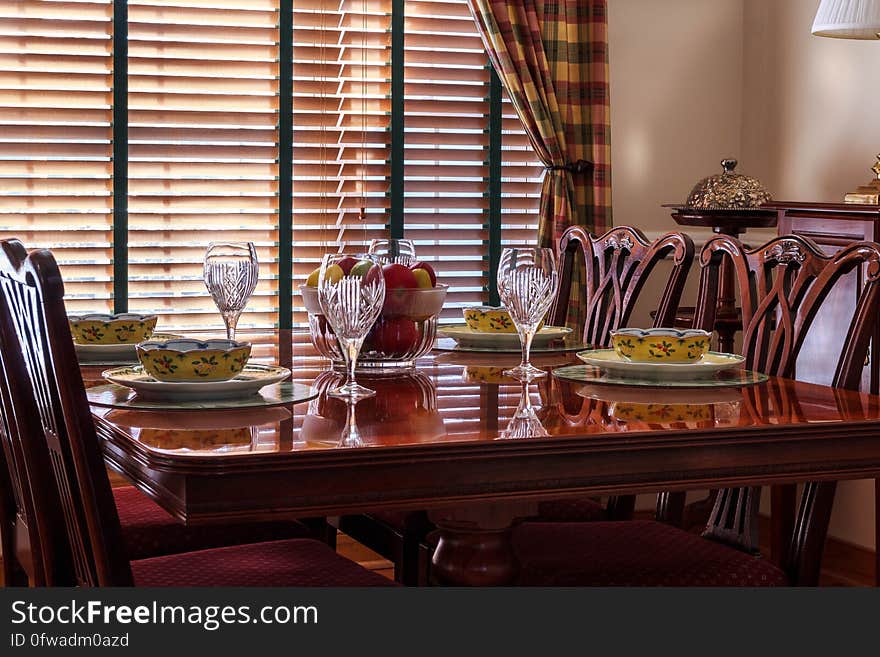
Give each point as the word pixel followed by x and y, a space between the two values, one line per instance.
pixel 552 57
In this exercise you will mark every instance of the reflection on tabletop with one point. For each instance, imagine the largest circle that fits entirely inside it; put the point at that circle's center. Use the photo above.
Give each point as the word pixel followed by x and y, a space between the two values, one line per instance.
pixel 455 398
pixel 202 432
pixel 525 422
pixel 405 404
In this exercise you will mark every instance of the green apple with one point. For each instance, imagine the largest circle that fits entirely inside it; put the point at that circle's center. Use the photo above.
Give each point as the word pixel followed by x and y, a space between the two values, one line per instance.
pixel 361 268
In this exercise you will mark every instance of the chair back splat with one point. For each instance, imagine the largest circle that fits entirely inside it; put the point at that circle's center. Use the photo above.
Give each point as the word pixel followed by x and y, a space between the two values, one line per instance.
pixel 33 295
pixel 782 286
pixel 617 266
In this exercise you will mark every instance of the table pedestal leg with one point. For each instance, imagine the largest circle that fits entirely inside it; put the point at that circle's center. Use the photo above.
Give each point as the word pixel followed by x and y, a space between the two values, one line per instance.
pixel 475 545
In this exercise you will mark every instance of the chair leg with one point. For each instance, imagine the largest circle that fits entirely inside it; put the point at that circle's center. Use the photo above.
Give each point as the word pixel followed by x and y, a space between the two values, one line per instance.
pixel 670 508
pixel 783 511
pixel 621 507
pixel 877 532
pixel 414 570
pixel 322 529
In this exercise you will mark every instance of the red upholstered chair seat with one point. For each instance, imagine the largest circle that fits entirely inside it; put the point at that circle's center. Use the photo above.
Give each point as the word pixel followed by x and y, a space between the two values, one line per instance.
pixel 632 553
pixel 581 509
pixel 295 562
pixel 150 531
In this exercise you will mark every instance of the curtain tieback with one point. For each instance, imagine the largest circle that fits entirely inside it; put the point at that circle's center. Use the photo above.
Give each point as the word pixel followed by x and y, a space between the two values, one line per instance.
pixel 581 166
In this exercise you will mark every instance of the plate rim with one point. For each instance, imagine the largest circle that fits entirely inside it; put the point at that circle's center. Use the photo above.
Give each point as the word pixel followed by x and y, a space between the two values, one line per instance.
pixel 171 385
pixel 460 331
pixel 735 359
pixel 116 346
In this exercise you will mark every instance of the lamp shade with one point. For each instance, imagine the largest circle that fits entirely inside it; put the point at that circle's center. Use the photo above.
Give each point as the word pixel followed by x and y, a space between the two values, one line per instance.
pixel 848 19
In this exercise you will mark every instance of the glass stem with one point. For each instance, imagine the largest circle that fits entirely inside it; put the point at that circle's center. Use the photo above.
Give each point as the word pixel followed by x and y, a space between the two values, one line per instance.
pixel 231 321
pixel 352 351
pixel 524 409
pixel 526 340
pixel 351 433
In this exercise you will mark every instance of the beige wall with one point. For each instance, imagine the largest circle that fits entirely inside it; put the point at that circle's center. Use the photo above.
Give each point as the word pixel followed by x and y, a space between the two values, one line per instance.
pixel 693 81
pixel 810 104
pixel 676 100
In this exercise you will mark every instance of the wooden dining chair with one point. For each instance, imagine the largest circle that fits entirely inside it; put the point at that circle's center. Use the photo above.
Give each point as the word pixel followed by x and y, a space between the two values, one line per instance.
pixel 782 286
pixel 148 530
pixel 39 359
pixel 619 265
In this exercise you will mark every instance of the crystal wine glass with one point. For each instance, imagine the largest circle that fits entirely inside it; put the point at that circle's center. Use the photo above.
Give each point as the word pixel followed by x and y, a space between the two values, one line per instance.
pixel 351 302
pixel 231 273
pixel 525 422
pixel 527 285
pixel 400 251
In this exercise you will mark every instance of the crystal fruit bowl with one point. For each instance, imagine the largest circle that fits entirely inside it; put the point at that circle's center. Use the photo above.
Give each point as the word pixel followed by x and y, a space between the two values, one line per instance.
pixel 404 332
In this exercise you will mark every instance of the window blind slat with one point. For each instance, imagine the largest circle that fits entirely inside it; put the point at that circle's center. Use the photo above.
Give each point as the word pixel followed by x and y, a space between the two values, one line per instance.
pixel 341 130
pixel 55 141
pixel 203 111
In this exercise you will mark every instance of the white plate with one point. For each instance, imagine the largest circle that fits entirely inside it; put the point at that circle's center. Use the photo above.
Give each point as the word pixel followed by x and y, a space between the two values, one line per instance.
pixel 249 382
pixel 102 353
pixel 467 337
pixel 608 361
pixel 633 395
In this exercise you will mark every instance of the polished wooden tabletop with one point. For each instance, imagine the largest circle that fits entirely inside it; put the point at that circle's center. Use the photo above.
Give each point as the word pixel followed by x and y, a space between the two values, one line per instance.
pixel 442 435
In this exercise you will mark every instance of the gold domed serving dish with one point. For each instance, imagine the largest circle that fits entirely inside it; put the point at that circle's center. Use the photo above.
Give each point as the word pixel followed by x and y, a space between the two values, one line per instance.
pixel 728 202
pixel 728 190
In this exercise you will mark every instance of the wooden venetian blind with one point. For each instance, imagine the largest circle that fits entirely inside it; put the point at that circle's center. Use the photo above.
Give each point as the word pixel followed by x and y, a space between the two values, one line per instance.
pixel 446 146
pixel 521 177
pixel 203 113
pixel 341 130
pixel 55 138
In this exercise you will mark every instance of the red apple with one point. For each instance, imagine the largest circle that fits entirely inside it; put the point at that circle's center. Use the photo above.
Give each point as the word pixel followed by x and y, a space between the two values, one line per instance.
pixel 346 264
pixel 397 276
pixel 427 268
pixel 393 336
pixel 373 274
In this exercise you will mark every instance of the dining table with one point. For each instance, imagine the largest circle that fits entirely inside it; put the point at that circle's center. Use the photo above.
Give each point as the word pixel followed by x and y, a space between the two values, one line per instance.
pixel 476 449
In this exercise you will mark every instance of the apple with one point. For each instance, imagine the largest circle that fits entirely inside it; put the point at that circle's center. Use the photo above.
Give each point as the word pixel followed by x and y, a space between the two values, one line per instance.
pixel 423 278
pixel 334 273
pixel 312 280
pixel 393 336
pixel 425 267
pixel 398 276
pixel 346 264
pixel 361 268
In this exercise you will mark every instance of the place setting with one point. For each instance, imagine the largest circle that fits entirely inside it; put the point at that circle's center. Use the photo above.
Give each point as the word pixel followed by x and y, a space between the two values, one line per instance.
pixel 490 329
pixel 175 372
pixel 111 339
pixel 661 358
pixel 527 285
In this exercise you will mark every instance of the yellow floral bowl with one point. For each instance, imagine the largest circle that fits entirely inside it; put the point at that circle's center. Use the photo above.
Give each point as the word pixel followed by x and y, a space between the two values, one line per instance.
pixel 490 319
pixel 486 374
pixel 184 359
pixel 660 345
pixel 122 328
pixel 197 439
pixel 661 412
